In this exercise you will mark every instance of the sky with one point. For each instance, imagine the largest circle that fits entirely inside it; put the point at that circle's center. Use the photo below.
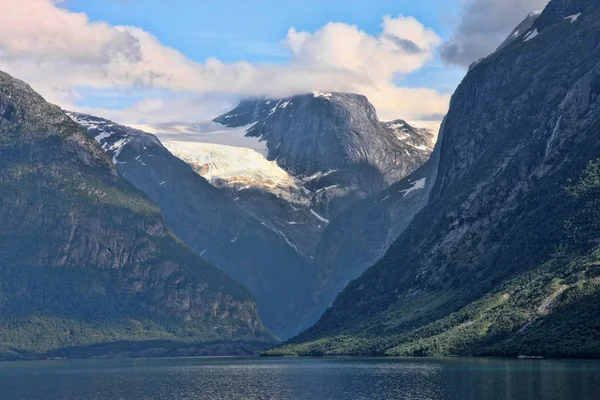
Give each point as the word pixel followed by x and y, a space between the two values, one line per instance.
pixel 156 61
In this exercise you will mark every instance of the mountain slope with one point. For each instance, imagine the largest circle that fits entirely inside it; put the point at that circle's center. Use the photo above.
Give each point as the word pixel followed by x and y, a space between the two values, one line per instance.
pixel 333 142
pixel 86 258
pixel 504 258
pixel 256 254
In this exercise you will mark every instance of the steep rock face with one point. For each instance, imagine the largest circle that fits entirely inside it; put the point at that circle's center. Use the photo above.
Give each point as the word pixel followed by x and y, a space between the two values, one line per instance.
pixel 260 188
pixel 361 235
pixel 256 254
pixel 85 257
pixel 421 139
pixel 503 259
pixel 333 142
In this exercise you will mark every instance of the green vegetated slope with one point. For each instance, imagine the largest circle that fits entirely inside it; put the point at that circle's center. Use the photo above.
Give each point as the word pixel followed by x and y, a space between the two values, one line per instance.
pixel 505 258
pixel 85 258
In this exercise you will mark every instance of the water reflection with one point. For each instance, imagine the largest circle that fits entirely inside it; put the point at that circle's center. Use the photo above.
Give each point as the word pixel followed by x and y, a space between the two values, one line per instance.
pixel 314 379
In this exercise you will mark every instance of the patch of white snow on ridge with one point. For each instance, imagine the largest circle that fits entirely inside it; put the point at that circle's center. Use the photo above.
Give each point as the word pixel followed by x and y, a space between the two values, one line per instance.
pixel 287 240
pixel 326 188
pixel 574 17
pixel 531 35
pixel 103 135
pixel 232 164
pixel 325 95
pixel 420 147
pixel 274 108
pixel 284 105
pixel 117 147
pixel 320 218
pixel 416 185
pixel 206 132
pixel 319 175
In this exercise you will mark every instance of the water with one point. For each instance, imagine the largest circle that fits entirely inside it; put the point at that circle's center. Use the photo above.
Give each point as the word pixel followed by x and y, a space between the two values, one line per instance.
pixel 311 379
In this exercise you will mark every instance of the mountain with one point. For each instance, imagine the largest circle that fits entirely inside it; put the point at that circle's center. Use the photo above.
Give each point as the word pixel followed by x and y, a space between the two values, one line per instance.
pixel 260 187
pixel 361 235
pixel 293 206
pixel 86 259
pixel 255 253
pixel 503 259
pixel 333 142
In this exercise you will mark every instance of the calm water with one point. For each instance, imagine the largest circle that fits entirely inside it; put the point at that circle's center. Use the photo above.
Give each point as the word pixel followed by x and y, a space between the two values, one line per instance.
pixel 313 379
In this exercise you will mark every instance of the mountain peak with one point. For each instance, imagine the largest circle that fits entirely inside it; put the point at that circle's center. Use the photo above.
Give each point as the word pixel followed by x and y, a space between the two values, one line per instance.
pixel 250 111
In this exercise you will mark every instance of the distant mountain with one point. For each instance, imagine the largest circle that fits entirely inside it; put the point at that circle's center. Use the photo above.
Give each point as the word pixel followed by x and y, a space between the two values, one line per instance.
pixel 252 251
pixel 85 258
pixel 333 142
pixel 295 204
pixel 503 259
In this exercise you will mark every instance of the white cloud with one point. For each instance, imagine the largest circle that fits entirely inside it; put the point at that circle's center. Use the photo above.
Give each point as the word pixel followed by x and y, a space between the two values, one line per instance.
pixel 58 51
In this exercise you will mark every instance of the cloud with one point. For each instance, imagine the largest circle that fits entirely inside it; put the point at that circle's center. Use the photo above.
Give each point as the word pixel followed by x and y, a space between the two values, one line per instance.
pixel 485 24
pixel 59 52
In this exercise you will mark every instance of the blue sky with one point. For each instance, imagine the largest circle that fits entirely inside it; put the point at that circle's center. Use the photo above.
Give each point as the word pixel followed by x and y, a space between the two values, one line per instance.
pixel 253 30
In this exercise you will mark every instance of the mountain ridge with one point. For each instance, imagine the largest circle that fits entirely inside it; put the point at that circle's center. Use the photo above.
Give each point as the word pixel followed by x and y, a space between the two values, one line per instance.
pixel 87 258
pixel 502 261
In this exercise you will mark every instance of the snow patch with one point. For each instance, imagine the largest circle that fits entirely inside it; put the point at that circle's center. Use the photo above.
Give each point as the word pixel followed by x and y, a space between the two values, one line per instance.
pixel 277 231
pixel 420 147
pixel 325 95
pixel 416 185
pixel 320 218
pixel 319 175
pixel 326 188
pixel 274 109
pixel 162 183
pixel 573 18
pixel 117 147
pixel 232 164
pixel 207 132
pixel 384 199
pixel 531 35
pixel 103 135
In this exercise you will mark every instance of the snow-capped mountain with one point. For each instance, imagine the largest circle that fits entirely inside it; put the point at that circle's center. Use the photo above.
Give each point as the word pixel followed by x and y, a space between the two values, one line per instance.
pixel 285 169
pixel 333 142
pixel 251 250
pixel 311 157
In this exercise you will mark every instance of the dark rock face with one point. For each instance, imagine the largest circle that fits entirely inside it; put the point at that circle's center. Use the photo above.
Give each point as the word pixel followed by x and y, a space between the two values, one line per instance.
pixel 330 140
pixel 361 235
pixel 209 221
pixel 502 260
pixel 83 253
pixel 344 157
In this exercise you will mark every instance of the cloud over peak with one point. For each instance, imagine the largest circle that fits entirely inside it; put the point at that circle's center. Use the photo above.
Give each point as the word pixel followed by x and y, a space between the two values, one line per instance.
pixel 59 51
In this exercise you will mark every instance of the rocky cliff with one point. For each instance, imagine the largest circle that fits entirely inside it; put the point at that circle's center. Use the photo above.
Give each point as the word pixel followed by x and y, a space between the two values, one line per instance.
pixel 333 142
pixel 85 257
pixel 503 259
